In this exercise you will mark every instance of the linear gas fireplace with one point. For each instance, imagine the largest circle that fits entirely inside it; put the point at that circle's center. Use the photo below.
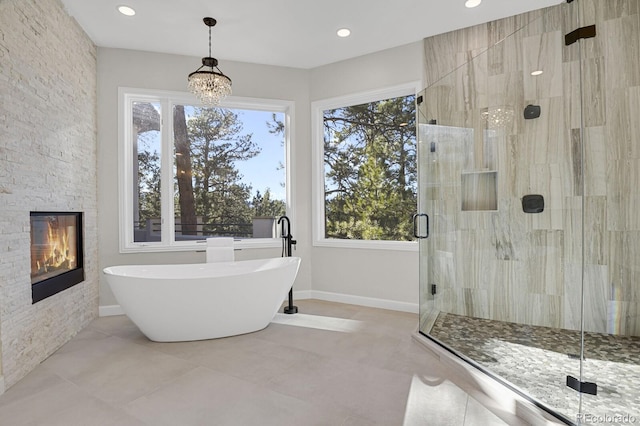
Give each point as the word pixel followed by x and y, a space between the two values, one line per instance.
pixel 56 252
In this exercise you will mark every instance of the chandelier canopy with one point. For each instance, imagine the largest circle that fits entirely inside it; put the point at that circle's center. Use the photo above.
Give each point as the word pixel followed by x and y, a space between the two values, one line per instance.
pixel 208 83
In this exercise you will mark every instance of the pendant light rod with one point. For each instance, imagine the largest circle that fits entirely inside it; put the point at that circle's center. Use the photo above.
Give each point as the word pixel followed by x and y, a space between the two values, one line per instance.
pixel 210 22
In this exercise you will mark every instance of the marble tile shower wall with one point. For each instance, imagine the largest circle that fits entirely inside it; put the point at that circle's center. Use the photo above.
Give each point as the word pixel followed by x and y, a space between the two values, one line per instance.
pixel 508 265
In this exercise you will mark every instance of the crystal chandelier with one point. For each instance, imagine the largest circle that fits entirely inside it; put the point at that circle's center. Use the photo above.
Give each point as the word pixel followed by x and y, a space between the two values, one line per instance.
pixel 208 83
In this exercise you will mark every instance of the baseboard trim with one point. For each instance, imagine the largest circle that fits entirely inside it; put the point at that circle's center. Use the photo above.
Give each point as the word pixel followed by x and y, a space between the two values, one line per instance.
pixel 371 302
pixel 110 310
pixel 302 294
pixel 394 305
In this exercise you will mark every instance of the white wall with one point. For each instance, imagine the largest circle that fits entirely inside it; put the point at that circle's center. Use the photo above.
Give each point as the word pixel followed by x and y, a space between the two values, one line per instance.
pixel 128 68
pixel 376 274
pixel 365 273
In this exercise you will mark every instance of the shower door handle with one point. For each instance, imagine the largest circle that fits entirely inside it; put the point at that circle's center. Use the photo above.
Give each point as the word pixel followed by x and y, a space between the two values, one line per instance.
pixel 415 225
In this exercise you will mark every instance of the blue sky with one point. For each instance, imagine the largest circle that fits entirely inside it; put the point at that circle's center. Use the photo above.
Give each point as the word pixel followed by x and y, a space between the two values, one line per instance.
pixel 262 171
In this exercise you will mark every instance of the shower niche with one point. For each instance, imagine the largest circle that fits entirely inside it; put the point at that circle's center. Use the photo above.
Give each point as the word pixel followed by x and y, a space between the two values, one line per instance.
pixel 479 190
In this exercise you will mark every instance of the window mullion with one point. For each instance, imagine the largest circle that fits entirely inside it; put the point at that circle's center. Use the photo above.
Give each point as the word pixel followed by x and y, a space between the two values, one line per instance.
pixel 125 173
pixel 168 225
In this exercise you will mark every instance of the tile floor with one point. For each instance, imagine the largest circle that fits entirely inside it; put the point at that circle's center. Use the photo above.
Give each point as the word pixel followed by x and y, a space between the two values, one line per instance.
pixel 332 364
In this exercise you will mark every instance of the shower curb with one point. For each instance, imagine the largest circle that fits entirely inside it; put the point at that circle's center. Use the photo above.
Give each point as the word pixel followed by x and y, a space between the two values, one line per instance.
pixel 502 401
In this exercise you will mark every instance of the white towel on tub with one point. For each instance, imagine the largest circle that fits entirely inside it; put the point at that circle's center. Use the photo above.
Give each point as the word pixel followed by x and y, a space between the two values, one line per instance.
pixel 220 242
pixel 220 250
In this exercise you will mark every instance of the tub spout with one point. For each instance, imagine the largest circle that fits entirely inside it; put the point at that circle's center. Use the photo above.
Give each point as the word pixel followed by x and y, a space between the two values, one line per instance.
pixel 287 242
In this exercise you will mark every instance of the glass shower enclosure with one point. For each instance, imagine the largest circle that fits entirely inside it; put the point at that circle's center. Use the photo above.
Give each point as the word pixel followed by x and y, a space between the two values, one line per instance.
pixel 529 185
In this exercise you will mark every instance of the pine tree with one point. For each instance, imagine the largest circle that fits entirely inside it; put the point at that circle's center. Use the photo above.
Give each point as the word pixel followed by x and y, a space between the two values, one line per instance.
pixel 370 158
pixel 217 143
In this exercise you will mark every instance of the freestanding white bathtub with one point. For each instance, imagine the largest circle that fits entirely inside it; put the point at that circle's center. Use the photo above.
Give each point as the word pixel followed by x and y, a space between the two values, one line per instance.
pixel 172 303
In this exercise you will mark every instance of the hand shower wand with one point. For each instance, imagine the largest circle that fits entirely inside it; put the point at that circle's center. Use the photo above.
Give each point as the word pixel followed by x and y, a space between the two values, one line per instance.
pixel 287 242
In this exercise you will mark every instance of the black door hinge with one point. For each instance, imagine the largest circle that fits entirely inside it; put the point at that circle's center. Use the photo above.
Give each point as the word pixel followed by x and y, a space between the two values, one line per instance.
pixel 582 387
pixel 583 32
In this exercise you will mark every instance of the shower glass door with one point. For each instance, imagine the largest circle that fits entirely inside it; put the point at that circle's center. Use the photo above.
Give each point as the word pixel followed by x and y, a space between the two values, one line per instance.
pixel 501 179
pixel 610 81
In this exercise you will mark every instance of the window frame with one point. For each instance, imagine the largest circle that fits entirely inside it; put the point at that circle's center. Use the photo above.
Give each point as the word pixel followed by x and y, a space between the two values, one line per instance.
pixel 318 177
pixel 167 99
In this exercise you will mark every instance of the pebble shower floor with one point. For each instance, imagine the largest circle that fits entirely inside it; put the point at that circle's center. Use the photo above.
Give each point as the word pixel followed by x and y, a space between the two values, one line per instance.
pixel 538 359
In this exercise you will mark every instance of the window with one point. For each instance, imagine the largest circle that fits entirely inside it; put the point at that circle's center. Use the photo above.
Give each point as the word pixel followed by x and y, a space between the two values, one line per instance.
pixel 365 169
pixel 190 172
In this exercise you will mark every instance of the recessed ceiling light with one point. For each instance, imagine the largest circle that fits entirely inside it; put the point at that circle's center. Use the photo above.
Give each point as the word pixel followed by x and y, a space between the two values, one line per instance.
pixel 536 72
pixel 344 32
pixel 472 3
pixel 126 10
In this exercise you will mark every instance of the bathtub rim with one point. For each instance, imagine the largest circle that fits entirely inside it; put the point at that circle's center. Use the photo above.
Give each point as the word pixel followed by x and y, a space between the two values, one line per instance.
pixel 210 270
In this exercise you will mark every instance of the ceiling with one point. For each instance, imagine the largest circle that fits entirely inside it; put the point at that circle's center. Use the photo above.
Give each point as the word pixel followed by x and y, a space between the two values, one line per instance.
pixel 292 33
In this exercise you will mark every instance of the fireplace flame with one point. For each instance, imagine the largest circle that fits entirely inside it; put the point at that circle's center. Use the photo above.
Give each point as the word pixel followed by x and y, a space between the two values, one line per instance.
pixel 53 250
pixel 58 255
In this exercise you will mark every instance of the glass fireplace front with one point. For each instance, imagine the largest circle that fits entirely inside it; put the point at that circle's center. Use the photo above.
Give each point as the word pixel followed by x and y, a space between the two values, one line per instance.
pixel 56 252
